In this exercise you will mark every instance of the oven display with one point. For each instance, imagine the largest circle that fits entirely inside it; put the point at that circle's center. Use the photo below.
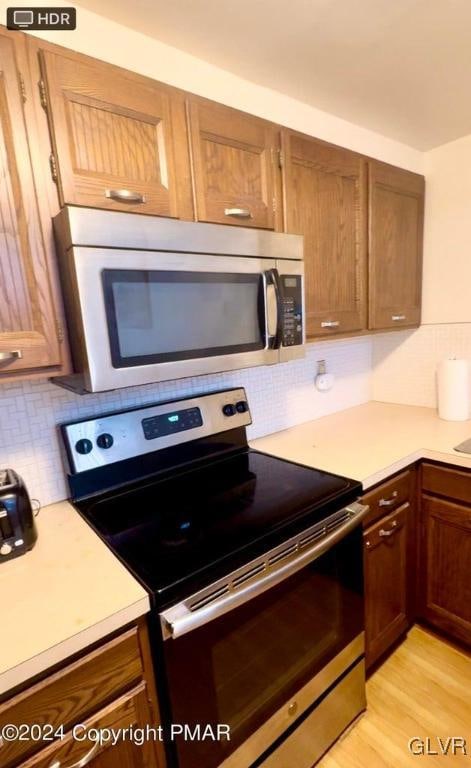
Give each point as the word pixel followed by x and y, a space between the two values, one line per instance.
pixel 170 423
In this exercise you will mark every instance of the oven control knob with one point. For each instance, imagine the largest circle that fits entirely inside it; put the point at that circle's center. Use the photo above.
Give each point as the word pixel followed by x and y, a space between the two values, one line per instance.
pixel 104 440
pixel 228 409
pixel 5 549
pixel 242 406
pixel 83 446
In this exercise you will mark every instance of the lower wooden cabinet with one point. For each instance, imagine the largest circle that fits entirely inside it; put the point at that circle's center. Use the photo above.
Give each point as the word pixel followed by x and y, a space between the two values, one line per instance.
pixel 128 712
pixel 446 551
pixel 111 687
pixel 386 581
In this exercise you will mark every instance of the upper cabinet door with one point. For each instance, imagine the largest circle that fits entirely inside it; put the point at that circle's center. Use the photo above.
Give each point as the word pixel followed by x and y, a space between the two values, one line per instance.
pixel 119 139
pixel 395 246
pixel 235 158
pixel 28 327
pixel 325 200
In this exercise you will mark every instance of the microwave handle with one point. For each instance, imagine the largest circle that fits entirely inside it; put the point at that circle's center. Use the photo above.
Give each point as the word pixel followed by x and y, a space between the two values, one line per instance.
pixel 180 619
pixel 272 280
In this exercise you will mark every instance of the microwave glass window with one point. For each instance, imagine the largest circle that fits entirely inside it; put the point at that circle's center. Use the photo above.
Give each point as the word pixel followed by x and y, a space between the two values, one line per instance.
pixel 157 316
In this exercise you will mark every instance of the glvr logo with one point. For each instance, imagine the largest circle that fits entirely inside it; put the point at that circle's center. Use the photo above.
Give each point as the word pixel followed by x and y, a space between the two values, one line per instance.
pixel 41 18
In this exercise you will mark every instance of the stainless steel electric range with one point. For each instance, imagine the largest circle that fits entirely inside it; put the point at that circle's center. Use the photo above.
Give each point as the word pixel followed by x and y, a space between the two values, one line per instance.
pixel 254 569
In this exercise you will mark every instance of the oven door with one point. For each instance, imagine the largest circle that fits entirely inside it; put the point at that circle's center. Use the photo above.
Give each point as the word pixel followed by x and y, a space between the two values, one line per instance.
pixel 263 664
pixel 153 316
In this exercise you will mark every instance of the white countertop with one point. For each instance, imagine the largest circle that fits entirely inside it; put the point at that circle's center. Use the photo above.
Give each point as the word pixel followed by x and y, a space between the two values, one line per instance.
pixel 66 593
pixel 371 441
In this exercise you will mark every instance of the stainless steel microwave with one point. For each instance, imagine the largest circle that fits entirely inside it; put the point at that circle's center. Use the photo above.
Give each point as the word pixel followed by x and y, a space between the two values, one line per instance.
pixel 151 299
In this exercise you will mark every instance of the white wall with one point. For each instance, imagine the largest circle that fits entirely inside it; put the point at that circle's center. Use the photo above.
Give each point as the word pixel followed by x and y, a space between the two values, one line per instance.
pixel 447 242
pixel 106 40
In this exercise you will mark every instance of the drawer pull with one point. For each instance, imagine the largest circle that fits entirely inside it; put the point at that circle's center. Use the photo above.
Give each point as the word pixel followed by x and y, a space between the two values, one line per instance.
pixel 15 354
pixel 398 318
pixel 125 196
pixel 389 502
pixel 385 533
pixel 85 760
pixel 330 324
pixel 239 213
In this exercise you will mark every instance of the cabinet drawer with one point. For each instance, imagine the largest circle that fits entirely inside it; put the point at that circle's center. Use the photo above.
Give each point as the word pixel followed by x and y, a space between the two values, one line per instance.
pixel 447 482
pixel 387 527
pixel 73 693
pixel 387 497
pixel 129 711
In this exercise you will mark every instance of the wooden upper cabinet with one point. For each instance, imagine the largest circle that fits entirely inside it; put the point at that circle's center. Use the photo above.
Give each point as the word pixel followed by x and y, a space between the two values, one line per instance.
pixel 29 334
pixel 396 219
pixel 235 164
pixel 325 200
pixel 119 139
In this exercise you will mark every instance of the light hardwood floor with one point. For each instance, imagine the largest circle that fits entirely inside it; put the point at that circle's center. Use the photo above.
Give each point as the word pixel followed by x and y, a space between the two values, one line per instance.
pixel 423 690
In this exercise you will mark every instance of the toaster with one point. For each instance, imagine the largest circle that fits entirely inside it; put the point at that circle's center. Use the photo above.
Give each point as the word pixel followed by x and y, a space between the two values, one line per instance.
pixel 17 526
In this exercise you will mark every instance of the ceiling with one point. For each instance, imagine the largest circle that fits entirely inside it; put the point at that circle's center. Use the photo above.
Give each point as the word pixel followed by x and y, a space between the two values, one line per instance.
pixel 399 67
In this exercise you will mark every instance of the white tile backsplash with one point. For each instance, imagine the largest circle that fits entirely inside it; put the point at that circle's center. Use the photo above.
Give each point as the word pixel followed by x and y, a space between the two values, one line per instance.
pixel 405 362
pixel 280 396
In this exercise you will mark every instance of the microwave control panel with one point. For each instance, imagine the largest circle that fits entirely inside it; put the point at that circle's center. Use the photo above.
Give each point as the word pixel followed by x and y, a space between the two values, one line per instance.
pixel 292 323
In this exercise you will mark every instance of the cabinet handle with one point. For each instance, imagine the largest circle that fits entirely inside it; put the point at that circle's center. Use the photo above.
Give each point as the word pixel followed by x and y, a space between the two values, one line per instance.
pixel 392 530
pixel 239 213
pixel 85 760
pixel 330 324
pixel 388 502
pixel 15 354
pixel 398 318
pixel 125 196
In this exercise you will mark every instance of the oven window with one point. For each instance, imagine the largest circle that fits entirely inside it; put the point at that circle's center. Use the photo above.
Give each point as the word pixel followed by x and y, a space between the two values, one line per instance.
pixel 162 316
pixel 242 667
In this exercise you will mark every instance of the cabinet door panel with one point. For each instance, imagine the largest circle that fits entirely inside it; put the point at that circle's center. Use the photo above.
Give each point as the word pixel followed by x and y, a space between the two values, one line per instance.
pixel 395 246
pixel 28 328
pixel 112 134
pixel 447 566
pixel 385 563
pixel 234 166
pixel 325 201
pixel 130 711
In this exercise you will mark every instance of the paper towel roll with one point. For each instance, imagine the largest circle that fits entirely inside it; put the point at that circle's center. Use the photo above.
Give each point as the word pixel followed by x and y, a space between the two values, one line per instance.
pixel 454 382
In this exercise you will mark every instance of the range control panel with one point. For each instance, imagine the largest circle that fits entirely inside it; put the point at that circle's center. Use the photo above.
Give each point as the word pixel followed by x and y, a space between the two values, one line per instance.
pixel 114 437
pixel 171 423
pixel 292 310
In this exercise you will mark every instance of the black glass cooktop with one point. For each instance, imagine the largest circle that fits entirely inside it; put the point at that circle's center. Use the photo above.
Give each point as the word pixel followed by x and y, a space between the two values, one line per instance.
pixel 179 533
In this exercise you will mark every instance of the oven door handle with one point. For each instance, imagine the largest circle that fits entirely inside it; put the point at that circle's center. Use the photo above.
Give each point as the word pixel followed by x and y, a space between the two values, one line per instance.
pixel 180 619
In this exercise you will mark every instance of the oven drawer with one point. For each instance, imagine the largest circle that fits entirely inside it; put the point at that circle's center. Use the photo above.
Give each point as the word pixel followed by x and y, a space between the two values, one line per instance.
pixel 387 497
pixel 318 731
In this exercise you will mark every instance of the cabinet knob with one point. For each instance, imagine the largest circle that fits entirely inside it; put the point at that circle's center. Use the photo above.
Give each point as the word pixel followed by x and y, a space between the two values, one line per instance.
pixel 398 318
pixel 238 213
pixel 383 532
pixel 293 708
pixel 85 760
pixel 15 354
pixel 330 324
pixel 125 196
pixel 390 501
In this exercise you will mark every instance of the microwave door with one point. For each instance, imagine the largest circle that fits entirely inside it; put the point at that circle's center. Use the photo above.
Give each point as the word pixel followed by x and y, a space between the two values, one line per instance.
pixel 153 316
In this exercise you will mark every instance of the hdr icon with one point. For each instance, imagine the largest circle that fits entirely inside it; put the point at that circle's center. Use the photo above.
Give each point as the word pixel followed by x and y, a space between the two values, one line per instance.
pixel 41 18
